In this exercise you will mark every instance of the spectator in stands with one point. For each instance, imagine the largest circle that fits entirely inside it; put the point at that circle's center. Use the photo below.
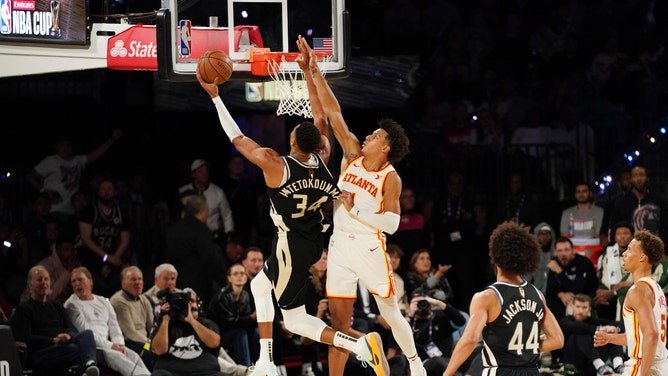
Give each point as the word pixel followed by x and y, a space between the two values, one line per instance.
pixel 134 312
pixel 232 311
pixel 93 312
pixel 579 350
pixel 517 204
pixel 59 175
pixel 105 234
pixel 52 341
pixel 585 217
pixel 644 208
pixel 165 278
pixel 613 280
pixel 190 245
pixel 242 195
pixel 199 356
pixel 220 220
pixel 34 227
pixel 412 233
pixel 451 226
pixel 430 281
pixel 569 274
pixel 60 264
pixel 433 326
pixel 546 239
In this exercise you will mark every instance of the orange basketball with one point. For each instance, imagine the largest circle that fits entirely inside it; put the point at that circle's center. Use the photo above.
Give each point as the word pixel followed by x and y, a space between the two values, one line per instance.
pixel 215 63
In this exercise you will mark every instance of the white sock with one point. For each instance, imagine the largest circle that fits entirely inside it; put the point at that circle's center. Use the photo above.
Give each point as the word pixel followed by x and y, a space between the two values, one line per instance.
pixel 266 351
pixel 598 363
pixel 282 371
pixel 347 342
pixel 617 361
pixel 415 361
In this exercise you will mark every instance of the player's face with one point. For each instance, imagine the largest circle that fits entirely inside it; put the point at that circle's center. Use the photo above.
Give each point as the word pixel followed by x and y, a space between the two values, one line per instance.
pixel 633 255
pixel 375 142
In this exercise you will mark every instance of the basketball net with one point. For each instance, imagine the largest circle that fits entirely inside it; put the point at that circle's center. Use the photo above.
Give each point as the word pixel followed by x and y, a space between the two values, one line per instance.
pixel 293 92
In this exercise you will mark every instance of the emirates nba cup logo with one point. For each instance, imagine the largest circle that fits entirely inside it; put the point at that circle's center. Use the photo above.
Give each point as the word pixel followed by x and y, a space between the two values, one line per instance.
pixel 5 16
pixel 55 14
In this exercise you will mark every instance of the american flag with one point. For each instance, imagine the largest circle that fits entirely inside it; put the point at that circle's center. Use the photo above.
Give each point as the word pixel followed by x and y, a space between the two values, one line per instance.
pixel 322 45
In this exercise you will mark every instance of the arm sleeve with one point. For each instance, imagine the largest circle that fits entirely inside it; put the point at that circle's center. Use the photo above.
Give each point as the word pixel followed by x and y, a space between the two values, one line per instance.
pixel 386 221
pixel 229 125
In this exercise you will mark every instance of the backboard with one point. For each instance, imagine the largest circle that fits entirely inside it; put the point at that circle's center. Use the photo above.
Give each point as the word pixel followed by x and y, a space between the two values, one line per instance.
pixel 256 26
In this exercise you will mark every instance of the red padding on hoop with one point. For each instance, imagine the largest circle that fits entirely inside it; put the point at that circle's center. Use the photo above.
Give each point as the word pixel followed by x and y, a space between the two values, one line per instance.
pixel 259 57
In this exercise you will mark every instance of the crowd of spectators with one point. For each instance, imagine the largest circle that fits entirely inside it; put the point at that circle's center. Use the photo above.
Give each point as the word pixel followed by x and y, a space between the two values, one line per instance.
pixel 496 75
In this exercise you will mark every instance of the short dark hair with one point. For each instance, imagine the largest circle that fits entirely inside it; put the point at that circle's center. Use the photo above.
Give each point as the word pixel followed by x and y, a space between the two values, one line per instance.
pixel 514 249
pixel 563 239
pixel 652 246
pixel 396 138
pixel 307 137
pixel 622 224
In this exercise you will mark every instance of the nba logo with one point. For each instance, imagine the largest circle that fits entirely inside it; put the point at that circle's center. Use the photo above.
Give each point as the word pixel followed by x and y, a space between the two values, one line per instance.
pixel 185 28
pixel 6 16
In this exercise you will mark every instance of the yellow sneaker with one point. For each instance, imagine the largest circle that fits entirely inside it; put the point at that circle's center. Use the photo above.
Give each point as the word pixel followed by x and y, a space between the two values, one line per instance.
pixel 373 354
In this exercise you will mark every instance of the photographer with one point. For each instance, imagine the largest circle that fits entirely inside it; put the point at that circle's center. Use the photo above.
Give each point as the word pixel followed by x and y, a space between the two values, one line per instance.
pixel 433 322
pixel 185 343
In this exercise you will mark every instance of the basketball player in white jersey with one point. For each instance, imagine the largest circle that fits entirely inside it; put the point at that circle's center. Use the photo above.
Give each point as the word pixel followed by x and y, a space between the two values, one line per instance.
pixel 644 311
pixel 367 208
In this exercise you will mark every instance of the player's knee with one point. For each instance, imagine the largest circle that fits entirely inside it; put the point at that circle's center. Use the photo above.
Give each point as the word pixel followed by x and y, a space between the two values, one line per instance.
pixel 260 285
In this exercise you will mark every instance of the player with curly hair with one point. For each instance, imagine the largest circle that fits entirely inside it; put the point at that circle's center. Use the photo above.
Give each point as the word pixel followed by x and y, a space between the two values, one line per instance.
pixel 511 313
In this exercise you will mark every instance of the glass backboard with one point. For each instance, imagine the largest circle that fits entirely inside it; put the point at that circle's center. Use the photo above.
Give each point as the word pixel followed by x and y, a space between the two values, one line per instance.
pixel 257 27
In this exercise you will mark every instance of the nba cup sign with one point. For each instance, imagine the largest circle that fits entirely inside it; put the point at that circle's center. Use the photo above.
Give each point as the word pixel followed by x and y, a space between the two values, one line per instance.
pixel 52 21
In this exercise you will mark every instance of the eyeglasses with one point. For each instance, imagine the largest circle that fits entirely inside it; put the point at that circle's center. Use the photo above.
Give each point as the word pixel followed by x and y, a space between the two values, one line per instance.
pixel 237 273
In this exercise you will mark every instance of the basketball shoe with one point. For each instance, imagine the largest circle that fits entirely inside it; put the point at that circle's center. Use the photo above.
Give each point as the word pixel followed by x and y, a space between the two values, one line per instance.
pixel 372 353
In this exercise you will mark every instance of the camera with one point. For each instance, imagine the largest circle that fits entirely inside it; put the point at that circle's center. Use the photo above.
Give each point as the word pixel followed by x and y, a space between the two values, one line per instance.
pixel 423 308
pixel 178 302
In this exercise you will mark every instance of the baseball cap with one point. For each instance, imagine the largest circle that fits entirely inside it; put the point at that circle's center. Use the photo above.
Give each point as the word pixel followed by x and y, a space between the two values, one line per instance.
pixel 545 228
pixel 197 163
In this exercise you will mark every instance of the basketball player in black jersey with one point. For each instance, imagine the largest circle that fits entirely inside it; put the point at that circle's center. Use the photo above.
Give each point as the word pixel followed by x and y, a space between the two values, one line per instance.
pixel 511 314
pixel 298 185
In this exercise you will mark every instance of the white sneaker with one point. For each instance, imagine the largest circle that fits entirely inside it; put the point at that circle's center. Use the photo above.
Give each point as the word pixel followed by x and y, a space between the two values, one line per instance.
pixel 373 354
pixel 264 370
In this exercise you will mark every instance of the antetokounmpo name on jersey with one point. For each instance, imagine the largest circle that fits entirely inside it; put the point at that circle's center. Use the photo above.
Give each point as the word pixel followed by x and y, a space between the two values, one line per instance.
pixel 362 183
pixel 522 305
pixel 323 185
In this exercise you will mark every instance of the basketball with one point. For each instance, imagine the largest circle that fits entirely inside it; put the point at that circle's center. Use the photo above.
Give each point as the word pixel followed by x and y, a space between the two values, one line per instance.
pixel 215 63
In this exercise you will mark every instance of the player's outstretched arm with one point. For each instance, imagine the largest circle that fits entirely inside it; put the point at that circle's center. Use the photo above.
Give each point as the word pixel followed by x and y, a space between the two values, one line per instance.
pixel 349 142
pixel 265 158
pixel 319 118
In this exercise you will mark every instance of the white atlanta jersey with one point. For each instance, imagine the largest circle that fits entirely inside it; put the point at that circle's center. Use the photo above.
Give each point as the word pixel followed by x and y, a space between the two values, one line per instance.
pixel 367 188
pixel 634 336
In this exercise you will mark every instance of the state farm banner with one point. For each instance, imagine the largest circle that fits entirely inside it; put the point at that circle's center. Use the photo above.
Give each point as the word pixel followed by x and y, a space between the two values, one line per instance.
pixel 136 49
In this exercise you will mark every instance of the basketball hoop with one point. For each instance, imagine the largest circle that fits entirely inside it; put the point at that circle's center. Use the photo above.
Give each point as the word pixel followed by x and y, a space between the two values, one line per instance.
pixel 292 89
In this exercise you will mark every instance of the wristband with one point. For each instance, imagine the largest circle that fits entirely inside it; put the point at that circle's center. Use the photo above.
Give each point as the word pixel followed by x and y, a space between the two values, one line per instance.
pixel 105 258
pixel 229 125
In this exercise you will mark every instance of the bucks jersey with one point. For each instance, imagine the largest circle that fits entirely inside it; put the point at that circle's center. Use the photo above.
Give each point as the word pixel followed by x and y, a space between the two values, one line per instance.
pixel 513 339
pixel 296 204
